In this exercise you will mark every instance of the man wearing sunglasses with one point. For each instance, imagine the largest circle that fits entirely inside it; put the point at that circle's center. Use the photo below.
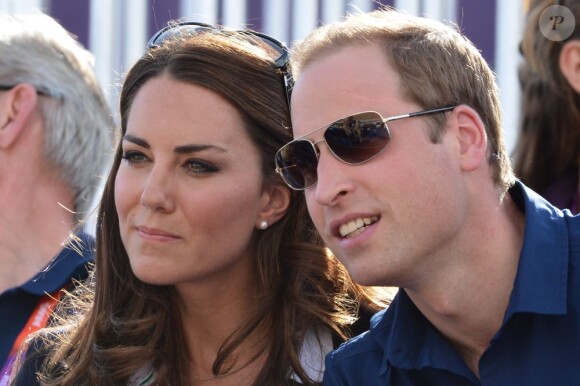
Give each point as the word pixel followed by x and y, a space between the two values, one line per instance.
pixel 400 153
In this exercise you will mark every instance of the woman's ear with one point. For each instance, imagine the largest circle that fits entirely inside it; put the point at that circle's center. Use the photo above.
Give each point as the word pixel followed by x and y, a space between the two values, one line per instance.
pixel 570 63
pixel 471 138
pixel 275 203
pixel 16 107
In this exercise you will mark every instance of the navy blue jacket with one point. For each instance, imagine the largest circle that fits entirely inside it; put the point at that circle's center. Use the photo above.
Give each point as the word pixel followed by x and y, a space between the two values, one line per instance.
pixel 17 304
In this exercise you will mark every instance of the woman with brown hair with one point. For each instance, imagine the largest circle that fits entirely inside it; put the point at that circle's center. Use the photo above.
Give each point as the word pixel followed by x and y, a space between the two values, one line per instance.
pixel 547 153
pixel 208 268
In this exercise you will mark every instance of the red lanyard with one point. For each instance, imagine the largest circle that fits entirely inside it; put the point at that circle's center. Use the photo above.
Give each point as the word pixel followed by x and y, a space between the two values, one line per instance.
pixel 37 320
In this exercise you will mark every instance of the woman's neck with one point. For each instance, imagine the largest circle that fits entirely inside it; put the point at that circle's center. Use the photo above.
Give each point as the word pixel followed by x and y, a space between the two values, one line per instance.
pixel 212 313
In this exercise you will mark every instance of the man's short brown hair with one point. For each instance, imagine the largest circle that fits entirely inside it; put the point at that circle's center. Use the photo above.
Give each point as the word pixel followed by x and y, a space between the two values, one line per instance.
pixel 437 65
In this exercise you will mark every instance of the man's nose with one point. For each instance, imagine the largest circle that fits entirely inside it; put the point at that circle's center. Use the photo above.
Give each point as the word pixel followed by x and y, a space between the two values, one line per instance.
pixel 334 180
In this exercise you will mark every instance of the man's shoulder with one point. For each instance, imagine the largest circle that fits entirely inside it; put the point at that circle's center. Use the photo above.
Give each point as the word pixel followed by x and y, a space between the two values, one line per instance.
pixel 369 343
pixel 360 359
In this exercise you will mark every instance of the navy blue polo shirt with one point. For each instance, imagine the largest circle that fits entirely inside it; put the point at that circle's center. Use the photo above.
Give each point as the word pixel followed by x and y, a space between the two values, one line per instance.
pixel 538 343
pixel 17 304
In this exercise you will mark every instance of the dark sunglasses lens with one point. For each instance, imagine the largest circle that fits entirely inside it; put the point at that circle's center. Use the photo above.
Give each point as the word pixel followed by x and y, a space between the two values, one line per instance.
pixel 357 138
pixel 298 162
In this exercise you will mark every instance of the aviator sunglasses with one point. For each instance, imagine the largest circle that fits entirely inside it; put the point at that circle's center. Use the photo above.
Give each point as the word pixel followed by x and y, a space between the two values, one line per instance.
pixel 276 49
pixel 353 140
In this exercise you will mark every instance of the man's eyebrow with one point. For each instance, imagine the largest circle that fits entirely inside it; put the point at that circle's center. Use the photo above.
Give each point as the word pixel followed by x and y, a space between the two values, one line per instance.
pixel 184 149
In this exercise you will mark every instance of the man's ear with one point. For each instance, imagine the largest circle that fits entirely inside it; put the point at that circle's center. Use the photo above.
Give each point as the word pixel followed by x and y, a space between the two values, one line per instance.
pixel 16 107
pixel 275 203
pixel 471 137
pixel 570 63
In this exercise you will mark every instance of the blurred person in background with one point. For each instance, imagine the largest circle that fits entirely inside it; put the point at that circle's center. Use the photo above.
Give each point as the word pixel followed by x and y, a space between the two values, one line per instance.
pixel 55 137
pixel 208 269
pixel 547 152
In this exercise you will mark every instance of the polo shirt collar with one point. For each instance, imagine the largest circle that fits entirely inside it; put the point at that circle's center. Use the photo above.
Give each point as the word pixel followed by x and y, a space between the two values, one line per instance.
pixel 71 259
pixel 541 283
pixel 413 342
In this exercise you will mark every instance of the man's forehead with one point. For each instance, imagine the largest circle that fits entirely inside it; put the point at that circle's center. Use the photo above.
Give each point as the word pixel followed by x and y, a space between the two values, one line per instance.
pixel 351 80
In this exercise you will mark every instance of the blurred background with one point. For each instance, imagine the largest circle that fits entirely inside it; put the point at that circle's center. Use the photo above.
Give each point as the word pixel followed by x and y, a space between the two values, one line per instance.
pixel 116 31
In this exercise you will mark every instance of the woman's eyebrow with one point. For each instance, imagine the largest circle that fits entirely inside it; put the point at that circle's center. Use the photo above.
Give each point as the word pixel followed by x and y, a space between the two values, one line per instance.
pixel 184 149
pixel 193 148
pixel 136 140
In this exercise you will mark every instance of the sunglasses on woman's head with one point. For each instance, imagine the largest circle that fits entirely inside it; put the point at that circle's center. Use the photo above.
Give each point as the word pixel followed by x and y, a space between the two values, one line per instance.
pixel 277 50
pixel 353 140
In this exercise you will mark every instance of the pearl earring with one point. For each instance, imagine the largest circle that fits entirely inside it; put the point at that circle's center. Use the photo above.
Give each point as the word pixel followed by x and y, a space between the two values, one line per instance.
pixel 263 224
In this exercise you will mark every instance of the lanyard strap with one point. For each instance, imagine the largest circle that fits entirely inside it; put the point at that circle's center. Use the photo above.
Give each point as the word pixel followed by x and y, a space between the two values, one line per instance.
pixel 37 320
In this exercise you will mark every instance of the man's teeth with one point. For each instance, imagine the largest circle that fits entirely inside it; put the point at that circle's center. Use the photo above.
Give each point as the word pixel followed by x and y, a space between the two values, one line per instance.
pixel 356 226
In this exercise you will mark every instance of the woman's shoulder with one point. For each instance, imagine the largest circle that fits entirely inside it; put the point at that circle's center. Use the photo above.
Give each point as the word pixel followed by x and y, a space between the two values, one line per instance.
pixel 144 377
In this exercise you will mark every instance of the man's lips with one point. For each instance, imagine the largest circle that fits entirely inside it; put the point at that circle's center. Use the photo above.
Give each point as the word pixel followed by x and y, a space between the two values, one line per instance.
pixel 352 225
pixel 356 226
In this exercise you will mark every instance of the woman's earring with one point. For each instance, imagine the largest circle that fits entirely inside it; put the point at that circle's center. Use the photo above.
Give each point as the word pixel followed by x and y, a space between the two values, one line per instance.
pixel 263 224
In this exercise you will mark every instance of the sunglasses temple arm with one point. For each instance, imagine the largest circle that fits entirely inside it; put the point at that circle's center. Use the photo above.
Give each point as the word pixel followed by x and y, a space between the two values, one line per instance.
pixel 397 117
pixel 288 85
pixel 419 113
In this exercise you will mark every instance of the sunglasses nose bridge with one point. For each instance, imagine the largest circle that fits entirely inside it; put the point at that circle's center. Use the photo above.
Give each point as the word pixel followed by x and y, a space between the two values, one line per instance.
pixel 317 149
pixel 317 142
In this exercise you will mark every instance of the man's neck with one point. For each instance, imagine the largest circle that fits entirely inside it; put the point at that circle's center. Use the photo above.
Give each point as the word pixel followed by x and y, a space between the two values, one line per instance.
pixel 468 305
pixel 32 231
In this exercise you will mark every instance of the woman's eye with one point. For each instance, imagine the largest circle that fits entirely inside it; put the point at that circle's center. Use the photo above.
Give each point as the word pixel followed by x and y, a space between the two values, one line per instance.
pixel 133 157
pixel 195 167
